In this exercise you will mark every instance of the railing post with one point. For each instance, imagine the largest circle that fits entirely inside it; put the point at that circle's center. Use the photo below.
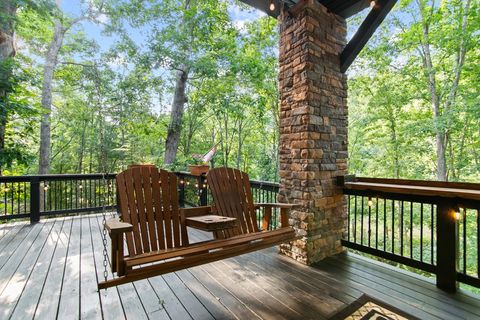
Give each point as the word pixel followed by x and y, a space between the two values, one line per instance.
pixel 447 247
pixel 34 200
pixel 202 189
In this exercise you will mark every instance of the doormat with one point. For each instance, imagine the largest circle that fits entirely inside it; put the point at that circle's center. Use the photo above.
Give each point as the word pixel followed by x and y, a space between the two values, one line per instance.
pixel 368 308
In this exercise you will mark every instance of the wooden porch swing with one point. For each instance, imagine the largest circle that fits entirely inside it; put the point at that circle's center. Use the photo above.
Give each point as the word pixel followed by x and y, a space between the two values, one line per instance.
pixel 155 228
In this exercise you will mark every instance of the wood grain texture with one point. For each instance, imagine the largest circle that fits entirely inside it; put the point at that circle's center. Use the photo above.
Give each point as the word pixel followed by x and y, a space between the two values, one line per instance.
pixel 258 285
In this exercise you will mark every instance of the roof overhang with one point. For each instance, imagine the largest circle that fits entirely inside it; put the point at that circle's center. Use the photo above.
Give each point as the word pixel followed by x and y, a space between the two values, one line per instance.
pixel 345 9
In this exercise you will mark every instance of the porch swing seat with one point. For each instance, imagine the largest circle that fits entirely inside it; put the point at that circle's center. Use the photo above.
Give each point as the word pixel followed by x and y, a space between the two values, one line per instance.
pixel 154 229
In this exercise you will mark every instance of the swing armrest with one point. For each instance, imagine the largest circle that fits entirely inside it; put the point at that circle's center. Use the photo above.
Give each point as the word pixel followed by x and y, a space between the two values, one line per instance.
pixel 114 227
pixel 196 211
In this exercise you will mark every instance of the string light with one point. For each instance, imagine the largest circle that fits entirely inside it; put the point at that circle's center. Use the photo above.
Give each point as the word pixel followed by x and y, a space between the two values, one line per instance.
pixel 370 202
pixel 372 4
pixel 457 215
pixel 272 6
pixel 46 187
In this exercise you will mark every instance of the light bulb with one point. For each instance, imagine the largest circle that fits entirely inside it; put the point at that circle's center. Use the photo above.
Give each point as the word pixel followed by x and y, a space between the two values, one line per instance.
pixel 272 5
pixel 370 202
pixel 457 215
pixel 372 4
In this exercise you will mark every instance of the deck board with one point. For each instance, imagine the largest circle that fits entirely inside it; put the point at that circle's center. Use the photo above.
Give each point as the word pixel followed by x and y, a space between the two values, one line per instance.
pixel 47 304
pixel 51 269
pixel 25 306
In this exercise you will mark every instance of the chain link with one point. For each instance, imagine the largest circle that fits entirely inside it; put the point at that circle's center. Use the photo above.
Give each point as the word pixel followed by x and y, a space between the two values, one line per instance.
pixel 104 232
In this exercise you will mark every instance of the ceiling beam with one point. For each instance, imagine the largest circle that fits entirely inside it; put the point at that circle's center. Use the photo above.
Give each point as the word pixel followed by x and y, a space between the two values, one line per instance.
pixel 365 32
pixel 263 5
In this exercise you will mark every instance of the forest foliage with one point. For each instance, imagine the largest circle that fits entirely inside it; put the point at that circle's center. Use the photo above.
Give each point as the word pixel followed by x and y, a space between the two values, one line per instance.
pixel 186 75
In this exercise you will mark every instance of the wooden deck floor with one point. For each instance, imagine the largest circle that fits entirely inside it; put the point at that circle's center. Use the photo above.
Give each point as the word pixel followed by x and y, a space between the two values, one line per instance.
pixel 49 270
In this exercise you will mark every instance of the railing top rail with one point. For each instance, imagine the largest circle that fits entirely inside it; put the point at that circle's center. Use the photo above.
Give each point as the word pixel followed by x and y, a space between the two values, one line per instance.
pixel 397 187
pixel 426 183
pixel 41 177
pixel 252 182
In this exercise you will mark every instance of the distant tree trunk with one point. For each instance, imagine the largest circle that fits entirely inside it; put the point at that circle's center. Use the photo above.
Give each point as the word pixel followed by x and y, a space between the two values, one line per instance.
pixel 394 141
pixel 178 107
pixel 240 144
pixel 212 162
pixel 441 132
pixel 81 149
pixel 8 9
pixel 48 70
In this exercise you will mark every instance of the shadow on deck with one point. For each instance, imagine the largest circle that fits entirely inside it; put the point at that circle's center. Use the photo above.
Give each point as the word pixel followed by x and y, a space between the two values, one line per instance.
pixel 50 270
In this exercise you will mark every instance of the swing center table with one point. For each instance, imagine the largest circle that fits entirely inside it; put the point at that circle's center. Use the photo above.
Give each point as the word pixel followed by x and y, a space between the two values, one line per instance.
pixel 211 222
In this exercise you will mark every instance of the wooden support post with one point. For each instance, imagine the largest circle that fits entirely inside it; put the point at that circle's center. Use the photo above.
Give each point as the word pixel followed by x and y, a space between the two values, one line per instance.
pixel 34 200
pixel 284 217
pixel 447 247
pixel 114 252
pixel 119 257
pixel 267 216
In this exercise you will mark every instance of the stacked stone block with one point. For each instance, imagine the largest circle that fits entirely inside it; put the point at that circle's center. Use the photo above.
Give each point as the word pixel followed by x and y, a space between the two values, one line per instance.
pixel 313 128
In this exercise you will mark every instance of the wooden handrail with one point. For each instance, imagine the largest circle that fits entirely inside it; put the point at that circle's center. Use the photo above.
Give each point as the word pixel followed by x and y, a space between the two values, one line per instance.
pixel 419 190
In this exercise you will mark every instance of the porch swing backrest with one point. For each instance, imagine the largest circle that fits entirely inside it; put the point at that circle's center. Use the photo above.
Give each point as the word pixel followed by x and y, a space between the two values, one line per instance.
pixel 233 197
pixel 148 200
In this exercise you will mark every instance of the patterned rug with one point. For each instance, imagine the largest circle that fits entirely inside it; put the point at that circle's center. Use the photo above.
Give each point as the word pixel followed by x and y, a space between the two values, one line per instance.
pixel 368 308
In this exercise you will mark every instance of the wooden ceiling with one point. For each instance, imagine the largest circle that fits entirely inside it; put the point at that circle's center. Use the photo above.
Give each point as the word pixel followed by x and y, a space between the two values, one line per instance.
pixel 344 8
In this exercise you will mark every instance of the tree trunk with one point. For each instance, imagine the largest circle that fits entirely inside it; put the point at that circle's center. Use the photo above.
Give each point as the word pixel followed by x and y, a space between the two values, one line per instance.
pixel 435 99
pixel 7 50
pixel 48 70
pixel 81 149
pixel 240 145
pixel 178 106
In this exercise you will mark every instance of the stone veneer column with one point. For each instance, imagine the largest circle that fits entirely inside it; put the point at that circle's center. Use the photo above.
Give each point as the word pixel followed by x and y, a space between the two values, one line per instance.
pixel 313 128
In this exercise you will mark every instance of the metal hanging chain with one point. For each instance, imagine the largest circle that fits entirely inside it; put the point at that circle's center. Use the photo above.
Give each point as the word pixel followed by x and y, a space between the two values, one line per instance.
pixel 106 185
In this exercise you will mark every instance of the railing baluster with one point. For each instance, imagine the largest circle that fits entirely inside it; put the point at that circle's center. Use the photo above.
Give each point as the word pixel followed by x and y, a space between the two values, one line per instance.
pixel 393 226
pixel 5 190
pixel 401 229
pixel 349 198
pixel 411 230
pixel 18 198
pixel 478 243
pixel 355 222
pixel 464 240
pixel 369 221
pixel 385 225
pixel 376 223
pixel 25 198
pixel 421 232
pixel 432 224
pixel 361 222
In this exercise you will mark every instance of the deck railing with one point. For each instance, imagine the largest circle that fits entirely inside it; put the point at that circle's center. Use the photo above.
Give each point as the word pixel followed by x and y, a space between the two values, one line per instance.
pixel 431 226
pixel 48 195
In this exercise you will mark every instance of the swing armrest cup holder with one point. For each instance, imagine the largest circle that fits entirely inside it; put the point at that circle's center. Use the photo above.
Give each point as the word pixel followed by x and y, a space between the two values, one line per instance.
pixel 115 227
